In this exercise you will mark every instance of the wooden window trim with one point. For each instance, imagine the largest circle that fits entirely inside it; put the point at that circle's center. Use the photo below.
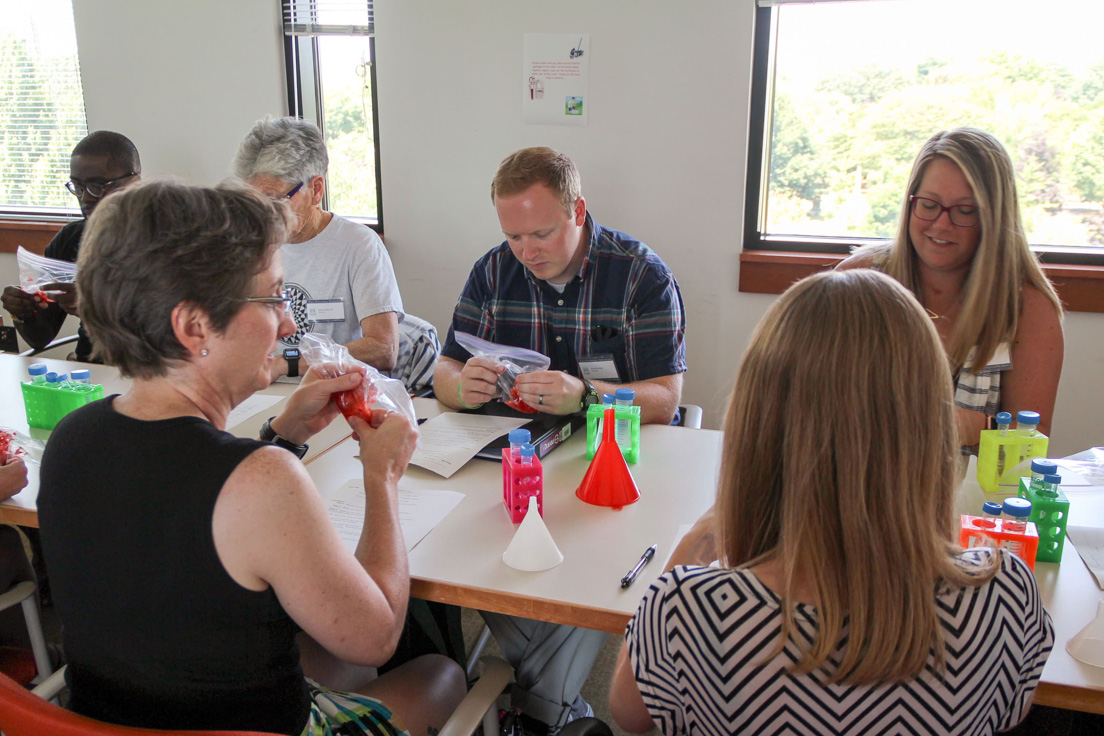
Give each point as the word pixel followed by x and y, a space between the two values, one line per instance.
pixel 1081 288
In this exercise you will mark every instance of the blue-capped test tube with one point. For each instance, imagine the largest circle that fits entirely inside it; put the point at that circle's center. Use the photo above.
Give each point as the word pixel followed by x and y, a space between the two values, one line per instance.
pixel 1050 485
pixel 1040 468
pixel 518 437
pixel 1004 422
pixel 37 372
pixel 991 510
pixel 1027 425
pixel 624 397
pixel 526 453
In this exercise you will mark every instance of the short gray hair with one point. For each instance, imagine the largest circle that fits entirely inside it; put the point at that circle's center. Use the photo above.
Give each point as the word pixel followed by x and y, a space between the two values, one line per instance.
pixel 150 247
pixel 284 148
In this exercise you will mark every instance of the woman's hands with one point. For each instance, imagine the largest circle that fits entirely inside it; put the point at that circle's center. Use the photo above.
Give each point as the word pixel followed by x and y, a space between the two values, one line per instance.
pixel 386 445
pixel 13 478
pixel 310 409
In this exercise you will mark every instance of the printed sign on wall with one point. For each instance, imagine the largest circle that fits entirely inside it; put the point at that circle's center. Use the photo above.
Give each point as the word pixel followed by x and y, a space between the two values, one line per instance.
pixel 555 78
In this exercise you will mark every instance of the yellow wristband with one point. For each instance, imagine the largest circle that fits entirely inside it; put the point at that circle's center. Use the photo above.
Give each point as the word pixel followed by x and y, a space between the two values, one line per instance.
pixel 461 398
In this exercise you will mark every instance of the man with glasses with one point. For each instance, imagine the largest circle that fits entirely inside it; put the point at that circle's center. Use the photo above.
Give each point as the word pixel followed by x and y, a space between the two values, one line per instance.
pixel 101 163
pixel 338 275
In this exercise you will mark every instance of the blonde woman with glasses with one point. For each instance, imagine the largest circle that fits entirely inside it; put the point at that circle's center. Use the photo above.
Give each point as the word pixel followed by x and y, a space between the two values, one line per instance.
pixel 962 251
pixel 842 603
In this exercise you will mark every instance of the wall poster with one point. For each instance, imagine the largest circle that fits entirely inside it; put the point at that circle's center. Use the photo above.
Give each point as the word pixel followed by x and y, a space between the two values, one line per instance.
pixel 555 79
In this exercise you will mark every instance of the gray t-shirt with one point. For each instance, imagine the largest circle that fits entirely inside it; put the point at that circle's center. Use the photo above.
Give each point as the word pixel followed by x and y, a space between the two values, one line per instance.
pixel 336 279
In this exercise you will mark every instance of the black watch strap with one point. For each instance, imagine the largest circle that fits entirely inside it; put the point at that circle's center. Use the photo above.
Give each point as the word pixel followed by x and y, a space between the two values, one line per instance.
pixel 590 395
pixel 292 358
pixel 268 434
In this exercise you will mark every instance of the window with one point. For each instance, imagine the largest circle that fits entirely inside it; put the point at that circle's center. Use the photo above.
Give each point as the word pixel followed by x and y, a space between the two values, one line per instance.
pixel 845 93
pixel 331 82
pixel 41 106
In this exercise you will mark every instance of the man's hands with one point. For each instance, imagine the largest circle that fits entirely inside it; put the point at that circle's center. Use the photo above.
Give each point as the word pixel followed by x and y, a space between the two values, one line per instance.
pixel 385 445
pixel 552 392
pixel 20 304
pixel 64 294
pixel 309 410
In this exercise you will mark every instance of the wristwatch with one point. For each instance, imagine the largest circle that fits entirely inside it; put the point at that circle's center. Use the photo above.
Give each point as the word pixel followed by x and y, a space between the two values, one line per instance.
pixel 268 434
pixel 590 395
pixel 291 355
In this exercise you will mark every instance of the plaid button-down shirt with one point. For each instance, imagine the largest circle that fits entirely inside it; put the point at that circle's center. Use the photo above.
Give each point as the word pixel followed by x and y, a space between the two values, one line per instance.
pixel 624 302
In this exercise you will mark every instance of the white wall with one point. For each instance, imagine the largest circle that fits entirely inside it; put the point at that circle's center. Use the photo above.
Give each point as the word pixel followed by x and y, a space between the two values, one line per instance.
pixel 184 80
pixel 663 157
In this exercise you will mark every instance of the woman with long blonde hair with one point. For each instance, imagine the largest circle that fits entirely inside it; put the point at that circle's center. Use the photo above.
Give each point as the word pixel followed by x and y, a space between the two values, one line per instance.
pixel 961 249
pixel 842 603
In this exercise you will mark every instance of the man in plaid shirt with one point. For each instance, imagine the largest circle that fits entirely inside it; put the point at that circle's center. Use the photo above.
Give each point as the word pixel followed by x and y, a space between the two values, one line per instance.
pixel 609 314
pixel 598 302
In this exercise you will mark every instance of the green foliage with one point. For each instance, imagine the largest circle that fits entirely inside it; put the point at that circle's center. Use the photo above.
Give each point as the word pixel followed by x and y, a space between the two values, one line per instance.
pixel 41 119
pixel 349 141
pixel 846 147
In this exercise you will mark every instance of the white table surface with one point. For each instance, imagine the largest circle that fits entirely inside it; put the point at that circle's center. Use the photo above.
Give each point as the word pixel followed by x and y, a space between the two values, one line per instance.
pixel 460 561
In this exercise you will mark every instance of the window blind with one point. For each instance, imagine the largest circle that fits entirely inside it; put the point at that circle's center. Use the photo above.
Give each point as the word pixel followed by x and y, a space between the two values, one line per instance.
pixel 328 18
pixel 42 112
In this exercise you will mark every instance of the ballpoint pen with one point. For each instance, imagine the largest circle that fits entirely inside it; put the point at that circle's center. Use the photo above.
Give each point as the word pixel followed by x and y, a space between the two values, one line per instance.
pixel 644 560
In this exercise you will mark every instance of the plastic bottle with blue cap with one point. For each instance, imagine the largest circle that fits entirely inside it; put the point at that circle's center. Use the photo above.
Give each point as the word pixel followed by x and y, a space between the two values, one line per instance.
pixel 991 510
pixel 624 397
pixel 37 372
pixel 1040 468
pixel 518 437
pixel 1004 422
pixel 1027 425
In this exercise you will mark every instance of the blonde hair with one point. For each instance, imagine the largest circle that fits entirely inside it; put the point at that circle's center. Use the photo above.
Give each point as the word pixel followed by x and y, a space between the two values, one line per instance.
pixel 839 463
pixel 991 297
pixel 522 169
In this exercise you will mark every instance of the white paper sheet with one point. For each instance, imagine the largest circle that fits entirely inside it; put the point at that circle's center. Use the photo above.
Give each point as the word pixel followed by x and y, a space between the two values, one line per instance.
pixel 450 440
pixel 253 405
pixel 556 79
pixel 419 512
pixel 1089 542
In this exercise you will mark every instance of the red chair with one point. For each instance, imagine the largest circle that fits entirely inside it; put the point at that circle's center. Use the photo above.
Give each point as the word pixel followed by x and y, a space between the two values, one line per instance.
pixel 25 713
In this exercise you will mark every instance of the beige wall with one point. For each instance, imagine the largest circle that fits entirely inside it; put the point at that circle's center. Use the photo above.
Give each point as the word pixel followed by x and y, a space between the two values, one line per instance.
pixel 663 157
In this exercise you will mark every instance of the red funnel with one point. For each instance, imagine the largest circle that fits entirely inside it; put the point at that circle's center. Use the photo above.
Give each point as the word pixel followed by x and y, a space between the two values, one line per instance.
pixel 608 481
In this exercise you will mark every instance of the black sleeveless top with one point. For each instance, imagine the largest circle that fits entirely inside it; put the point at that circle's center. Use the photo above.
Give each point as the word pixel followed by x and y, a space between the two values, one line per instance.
pixel 158 635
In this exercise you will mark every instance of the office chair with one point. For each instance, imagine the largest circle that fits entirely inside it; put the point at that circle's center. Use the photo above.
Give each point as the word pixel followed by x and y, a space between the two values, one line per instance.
pixel 27 713
pixel 690 416
pixel 59 342
pixel 16 571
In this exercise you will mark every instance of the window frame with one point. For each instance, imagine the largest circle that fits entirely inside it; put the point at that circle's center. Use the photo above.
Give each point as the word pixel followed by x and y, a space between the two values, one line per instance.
pixel 304 91
pixel 770 263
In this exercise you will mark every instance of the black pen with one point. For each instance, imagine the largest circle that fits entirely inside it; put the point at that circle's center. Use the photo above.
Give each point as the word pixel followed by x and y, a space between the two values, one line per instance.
pixel 644 560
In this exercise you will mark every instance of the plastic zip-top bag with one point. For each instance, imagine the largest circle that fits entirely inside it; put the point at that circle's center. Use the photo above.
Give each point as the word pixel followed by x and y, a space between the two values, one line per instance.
pixel 36 271
pixel 14 445
pixel 516 360
pixel 376 391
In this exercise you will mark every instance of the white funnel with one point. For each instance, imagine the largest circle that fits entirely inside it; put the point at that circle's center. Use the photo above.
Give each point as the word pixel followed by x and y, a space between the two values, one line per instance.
pixel 1088 646
pixel 532 548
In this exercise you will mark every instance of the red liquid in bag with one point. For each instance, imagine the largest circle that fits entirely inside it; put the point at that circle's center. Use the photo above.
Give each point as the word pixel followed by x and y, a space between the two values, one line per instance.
pixel 357 402
pixel 515 402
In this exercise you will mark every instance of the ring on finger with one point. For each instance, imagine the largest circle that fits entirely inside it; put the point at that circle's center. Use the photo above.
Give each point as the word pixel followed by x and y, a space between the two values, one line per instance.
pixel 540 399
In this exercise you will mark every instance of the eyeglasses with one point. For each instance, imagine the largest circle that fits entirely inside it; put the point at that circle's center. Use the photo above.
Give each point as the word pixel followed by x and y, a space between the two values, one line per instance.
pixel 292 193
pixel 280 303
pixel 963 215
pixel 94 189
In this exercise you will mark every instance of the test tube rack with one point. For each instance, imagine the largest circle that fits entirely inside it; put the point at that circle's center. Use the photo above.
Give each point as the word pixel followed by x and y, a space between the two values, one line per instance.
pixel 978 531
pixel 623 413
pixel 519 482
pixel 47 405
pixel 1017 448
pixel 1050 515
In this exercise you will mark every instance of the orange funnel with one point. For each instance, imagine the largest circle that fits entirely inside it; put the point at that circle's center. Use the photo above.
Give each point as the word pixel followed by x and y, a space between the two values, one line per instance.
pixel 608 481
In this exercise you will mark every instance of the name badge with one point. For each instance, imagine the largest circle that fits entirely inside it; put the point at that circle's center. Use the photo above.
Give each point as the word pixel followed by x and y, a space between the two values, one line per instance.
pixel 599 368
pixel 325 310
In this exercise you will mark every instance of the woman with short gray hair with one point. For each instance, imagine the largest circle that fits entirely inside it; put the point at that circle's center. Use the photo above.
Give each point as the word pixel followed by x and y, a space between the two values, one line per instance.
pixel 184 560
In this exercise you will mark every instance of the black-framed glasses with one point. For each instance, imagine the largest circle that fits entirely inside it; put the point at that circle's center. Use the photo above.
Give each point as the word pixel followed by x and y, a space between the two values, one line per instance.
pixel 94 189
pixel 281 303
pixel 963 215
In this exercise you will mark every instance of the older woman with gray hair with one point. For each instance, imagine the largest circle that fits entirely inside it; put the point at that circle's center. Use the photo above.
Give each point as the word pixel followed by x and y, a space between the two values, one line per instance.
pixel 185 560
pixel 339 276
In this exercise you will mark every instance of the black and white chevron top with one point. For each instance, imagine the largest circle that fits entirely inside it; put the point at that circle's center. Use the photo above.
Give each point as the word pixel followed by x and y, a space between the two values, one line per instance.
pixel 700 633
